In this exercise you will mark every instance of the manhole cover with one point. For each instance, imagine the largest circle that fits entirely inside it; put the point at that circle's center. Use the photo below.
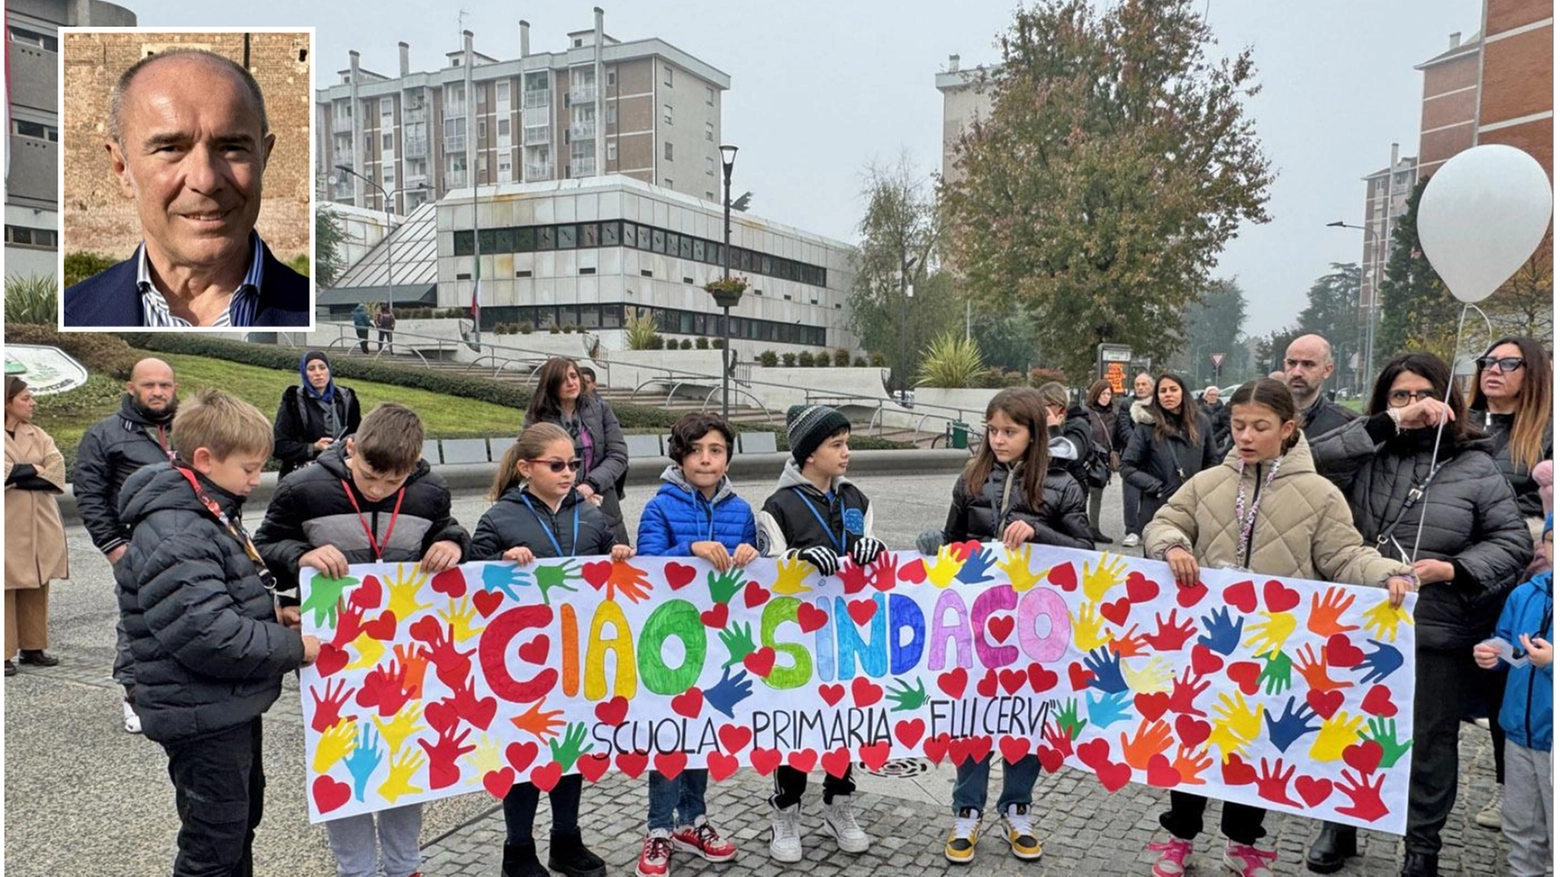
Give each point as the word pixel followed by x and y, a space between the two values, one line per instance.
pixel 899 768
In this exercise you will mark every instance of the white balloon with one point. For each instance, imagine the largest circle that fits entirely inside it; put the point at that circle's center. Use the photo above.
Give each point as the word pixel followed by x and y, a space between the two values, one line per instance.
pixel 1481 216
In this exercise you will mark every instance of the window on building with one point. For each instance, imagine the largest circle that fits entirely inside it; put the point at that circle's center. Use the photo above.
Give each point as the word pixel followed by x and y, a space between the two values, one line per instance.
pixel 578 43
pixel 482 164
pixel 612 77
pixel 667 78
pixel 668 151
pixel 503 127
pixel 709 131
pixel 709 166
pixel 612 114
pixel 22 236
pixel 389 176
pixel 36 130
pixel 610 232
pixel 709 95
pixel 666 113
pixel 612 151
pixel 33 38
pixel 482 129
pixel 387 142
pixel 667 183
pixel 502 92
pixel 567 237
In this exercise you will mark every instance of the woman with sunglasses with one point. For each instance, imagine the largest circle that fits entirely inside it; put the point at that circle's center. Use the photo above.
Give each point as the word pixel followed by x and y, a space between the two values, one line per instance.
pixel 598 440
pixel 1473 549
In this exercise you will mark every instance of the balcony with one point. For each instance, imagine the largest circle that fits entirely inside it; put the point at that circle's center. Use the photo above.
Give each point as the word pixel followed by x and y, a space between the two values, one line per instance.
pixel 538 98
pixel 454 179
pixel 583 94
pixel 582 167
pixel 542 171
pixel 415 180
pixel 584 129
pixel 342 191
pixel 455 142
pixel 414 116
pixel 414 147
pixel 540 135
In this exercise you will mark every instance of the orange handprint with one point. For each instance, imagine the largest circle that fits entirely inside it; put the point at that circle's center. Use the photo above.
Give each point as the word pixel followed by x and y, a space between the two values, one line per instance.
pixel 1314 668
pixel 538 722
pixel 1130 644
pixel 415 660
pixel 1190 764
pixel 630 580
pixel 1325 611
pixel 1150 740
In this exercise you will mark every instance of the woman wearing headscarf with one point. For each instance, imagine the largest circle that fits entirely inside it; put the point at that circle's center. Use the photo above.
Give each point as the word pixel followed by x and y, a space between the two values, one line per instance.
pixel 35 551
pixel 314 414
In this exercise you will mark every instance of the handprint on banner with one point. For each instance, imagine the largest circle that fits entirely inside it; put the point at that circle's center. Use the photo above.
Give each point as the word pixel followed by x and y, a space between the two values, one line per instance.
pixel 1067 719
pixel 1380 664
pixel 369 650
pixel 483 758
pixel 385 687
pixel 1223 632
pixel 1059 737
pixel 976 569
pixel 1109 709
pixel 1273 782
pixel 885 571
pixel 728 692
pixel 402 768
pixel 505 578
pixel 460 617
pixel 1088 628
pixel 1277 672
pixel 557 578
pixel 404 588
pixel 1291 725
pixel 1015 564
pixel 1171 635
pixel 944 568
pixel 1338 733
pixel 1190 762
pixel 724 586
pixel 349 623
pixel 1151 739
pixel 327 710
pixel 1130 644
pixel 738 640
pixel 443 754
pixel 1326 610
pixel 451 665
pixel 1183 696
pixel 415 660
pixel 1235 724
pixel 539 723
pixel 569 749
pixel 334 745
pixel 365 758
pixel 1150 676
pixel 1313 668
pixel 1382 620
pixel 1106 668
pixel 791 576
pixel 1383 732
pixel 628 580
pixel 1108 572
pixel 904 697
pixel 1365 795
pixel 1270 634
pixel 407 721
pixel 324 598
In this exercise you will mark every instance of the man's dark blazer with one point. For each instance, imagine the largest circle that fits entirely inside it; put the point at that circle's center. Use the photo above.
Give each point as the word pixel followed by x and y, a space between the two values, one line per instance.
pixel 110 298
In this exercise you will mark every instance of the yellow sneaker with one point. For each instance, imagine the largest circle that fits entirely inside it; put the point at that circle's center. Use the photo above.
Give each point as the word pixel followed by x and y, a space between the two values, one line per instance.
pixel 960 848
pixel 1021 833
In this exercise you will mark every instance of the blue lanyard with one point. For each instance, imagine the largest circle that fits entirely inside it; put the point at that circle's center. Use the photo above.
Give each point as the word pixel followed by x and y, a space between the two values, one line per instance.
pixel 838 543
pixel 547 529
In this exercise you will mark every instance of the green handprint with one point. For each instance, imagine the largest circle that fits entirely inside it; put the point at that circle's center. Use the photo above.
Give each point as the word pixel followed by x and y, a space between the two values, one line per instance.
pixel 1067 719
pixel 907 698
pixel 1277 673
pixel 738 640
pixel 569 751
pixel 549 577
pixel 324 597
pixel 725 585
pixel 1384 732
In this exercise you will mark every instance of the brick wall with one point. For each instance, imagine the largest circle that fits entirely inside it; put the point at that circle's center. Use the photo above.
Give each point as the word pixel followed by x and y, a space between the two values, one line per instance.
pixel 99 217
pixel 1519 76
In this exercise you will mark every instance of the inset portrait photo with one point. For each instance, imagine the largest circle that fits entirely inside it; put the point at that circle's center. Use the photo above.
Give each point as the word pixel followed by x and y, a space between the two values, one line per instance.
pixel 186 190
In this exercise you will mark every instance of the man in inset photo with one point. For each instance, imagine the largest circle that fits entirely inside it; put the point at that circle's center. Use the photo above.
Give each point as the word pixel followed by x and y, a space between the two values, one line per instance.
pixel 188 140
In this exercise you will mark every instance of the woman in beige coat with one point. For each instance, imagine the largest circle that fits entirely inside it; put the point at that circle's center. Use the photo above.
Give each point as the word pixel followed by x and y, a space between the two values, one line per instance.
pixel 1265 509
pixel 35 551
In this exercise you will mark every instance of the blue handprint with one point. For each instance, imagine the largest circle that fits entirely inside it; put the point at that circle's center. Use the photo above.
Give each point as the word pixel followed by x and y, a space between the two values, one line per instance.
pixel 364 760
pixel 505 577
pixel 1290 726
pixel 1105 664
pixel 1223 632
pixel 729 691
pixel 975 567
pixel 1108 710
pixel 1381 663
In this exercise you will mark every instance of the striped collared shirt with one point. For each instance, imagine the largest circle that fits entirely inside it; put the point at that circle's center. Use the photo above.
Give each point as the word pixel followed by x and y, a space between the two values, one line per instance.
pixel 241 309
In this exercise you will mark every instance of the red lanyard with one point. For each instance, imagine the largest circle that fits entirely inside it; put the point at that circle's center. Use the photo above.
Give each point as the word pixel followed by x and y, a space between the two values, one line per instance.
pixel 373 543
pixel 235 529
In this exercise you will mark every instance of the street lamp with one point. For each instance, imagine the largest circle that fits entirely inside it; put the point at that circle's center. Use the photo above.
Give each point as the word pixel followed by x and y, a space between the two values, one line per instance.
pixel 906 268
pixel 728 157
pixel 1375 294
pixel 389 255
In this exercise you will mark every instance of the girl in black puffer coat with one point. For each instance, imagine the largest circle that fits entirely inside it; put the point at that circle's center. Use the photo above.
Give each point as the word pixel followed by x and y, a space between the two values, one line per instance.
pixel 1171 442
pixel 1474 547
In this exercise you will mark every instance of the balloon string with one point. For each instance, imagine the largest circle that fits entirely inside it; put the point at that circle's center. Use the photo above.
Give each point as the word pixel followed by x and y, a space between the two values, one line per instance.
pixel 1440 427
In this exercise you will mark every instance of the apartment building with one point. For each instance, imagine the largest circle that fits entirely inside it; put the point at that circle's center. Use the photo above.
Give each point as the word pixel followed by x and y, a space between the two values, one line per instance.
pixel 644 109
pixel 1449 103
pixel 966 99
pixel 1386 201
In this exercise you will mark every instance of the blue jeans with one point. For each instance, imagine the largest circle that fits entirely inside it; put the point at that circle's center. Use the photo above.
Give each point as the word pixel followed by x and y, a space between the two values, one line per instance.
pixel 677 801
pixel 1018 783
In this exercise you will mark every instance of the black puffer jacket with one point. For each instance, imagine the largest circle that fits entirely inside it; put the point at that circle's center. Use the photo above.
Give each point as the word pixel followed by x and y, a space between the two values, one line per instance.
pixel 1471 520
pixel 311 508
pixel 209 653
pixel 1323 417
pixel 794 515
pixel 1159 467
pixel 1061 519
pixel 111 451
pixel 1124 421
pixel 1078 433
pixel 1519 476
pixel 608 460
pixel 300 422
pixel 509 523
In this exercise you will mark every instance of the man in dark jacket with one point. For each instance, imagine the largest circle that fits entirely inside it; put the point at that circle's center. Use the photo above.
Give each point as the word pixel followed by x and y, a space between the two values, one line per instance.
pixel 111 451
pixel 1308 363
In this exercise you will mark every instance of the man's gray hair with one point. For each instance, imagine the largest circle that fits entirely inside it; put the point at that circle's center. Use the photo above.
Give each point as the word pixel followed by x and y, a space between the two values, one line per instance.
pixel 116 98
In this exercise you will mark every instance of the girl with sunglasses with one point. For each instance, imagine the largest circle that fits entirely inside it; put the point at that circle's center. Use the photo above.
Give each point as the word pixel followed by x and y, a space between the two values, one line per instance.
pixel 538 513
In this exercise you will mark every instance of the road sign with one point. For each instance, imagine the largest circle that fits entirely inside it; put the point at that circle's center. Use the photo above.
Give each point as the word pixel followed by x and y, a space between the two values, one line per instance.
pixel 1218 359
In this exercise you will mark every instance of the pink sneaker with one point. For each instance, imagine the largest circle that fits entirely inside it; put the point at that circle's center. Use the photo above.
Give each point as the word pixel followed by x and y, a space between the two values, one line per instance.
pixel 1173 854
pixel 1247 860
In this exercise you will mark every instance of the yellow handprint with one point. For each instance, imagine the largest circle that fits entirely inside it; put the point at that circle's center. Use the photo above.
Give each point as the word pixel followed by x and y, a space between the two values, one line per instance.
pixel 944 567
pixel 1088 628
pixel 1244 720
pixel 1105 575
pixel 369 651
pixel 404 589
pixel 1153 675
pixel 1382 620
pixel 460 617
pixel 402 768
pixel 1016 565
pixel 484 758
pixel 1269 636
pixel 402 725
pixel 1224 739
pixel 1338 733
pixel 335 744
pixel 792 576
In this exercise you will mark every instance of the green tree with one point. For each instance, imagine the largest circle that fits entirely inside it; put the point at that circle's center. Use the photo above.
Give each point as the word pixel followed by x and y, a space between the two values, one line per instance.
pixel 1117 162
pixel 1006 339
pixel 1213 323
pixel 1332 311
pixel 329 238
pixel 1417 311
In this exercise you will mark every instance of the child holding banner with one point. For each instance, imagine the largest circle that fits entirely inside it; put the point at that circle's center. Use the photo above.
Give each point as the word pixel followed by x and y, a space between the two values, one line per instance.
pixel 537 513
pixel 695 513
pixel 1006 493
pixel 817 516
pixel 1266 510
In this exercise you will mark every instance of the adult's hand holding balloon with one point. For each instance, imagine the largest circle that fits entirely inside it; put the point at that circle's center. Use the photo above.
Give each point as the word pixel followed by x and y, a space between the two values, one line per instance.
pixel 1481 216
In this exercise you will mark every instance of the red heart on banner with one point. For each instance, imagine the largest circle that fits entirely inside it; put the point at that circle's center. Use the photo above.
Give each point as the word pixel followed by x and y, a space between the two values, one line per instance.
pixel 936 748
pixel 760 662
pixel 1078 676
pixel 865 691
pixel 802 759
pixel 1342 653
pixel 910 732
pixel 1050 759
pixel 593 767
pixel 1113 775
pixel 1205 660
pixel 480 712
pixel 330 659
pixel 987 686
pixel 965 550
pixel 485 601
pixel 1313 790
pixel 1237 772
pixel 1116 612
pixel 1001 628
pixel 913 572
pixel 1152 705
pixel 1063 576
pixel 1141 588
pixel 1245 674
pixel 979 747
pixel 632 764
pixel 1012 680
pixel 1364 756
pixel 754 595
pixel 329 794
pixel 1190 596
pixel 520 755
pixel 451 583
pixel 861 611
pixel 953 682
pixel 876 755
pixel 1192 731
pixel 1378 702
pixel 612 712
pixel 1094 752
pixel 764 760
pixel 1013 748
pixel 1325 703
pixel 367 595
pixel 381 628
pixel 536 650
pixel 715 616
pixel 831 694
pixel 721 766
pixel 1278 597
pixel 810 617
pixel 734 738
pixel 1161 775
pixel 836 762
pixel 499 782
pixel 1041 679
pixel 678 575
pixel 1242 595
pixel 546 776
pixel 597 572
pixel 690 703
pixel 670 764
pixel 443 715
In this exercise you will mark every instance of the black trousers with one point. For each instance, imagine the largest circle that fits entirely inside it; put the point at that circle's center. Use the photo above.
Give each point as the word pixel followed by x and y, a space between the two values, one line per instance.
pixel 1241 823
pixel 520 808
pixel 1449 683
pixel 1494 689
pixel 362 333
pixel 219 790
pixel 790 783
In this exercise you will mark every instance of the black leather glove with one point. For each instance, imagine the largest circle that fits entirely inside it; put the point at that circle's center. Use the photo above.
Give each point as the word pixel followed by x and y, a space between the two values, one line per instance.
pixel 19 472
pixel 826 561
pixel 867 550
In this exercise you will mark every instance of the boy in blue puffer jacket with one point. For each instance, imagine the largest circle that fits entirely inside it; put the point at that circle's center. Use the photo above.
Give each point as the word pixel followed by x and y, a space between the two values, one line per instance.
pixel 1527 717
pixel 695 513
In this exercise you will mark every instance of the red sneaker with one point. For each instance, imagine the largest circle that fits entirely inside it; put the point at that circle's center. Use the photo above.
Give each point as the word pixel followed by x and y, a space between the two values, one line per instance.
pixel 656 856
pixel 702 839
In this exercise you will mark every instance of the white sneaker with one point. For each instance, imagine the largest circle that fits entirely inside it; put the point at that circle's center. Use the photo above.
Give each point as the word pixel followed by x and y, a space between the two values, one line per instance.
pixel 132 721
pixel 839 819
pixel 785 841
pixel 1133 540
pixel 1489 817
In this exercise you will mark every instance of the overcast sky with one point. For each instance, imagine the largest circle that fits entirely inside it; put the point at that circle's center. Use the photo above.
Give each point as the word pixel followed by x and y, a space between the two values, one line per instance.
pixel 819 89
